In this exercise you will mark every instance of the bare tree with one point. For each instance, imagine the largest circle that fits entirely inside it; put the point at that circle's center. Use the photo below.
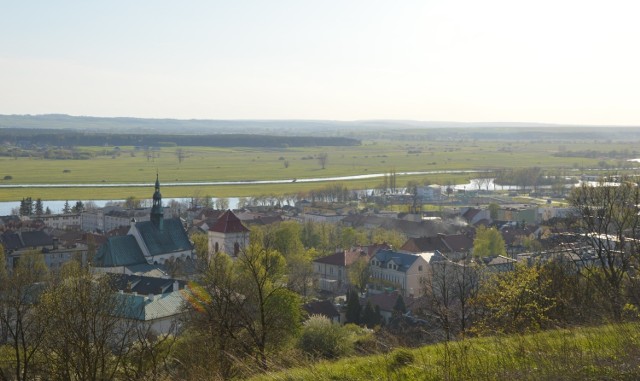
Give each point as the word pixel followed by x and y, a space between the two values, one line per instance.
pixel 21 327
pixel 322 159
pixel 87 337
pixel 181 154
pixel 609 225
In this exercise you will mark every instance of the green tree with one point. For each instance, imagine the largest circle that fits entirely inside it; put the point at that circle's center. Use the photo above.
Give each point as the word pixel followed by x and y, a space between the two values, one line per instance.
pixel 488 242
pixel 370 317
pixel 354 309
pixel 399 306
pixel 514 301
pixel 24 328
pixel 493 210
pixel 359 273
pixel 39 210
pixel 67 208
pixel 300 276
pixel 245 307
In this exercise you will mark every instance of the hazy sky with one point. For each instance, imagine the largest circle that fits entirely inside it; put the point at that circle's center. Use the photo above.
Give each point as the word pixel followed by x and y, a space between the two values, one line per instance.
pixel 492 60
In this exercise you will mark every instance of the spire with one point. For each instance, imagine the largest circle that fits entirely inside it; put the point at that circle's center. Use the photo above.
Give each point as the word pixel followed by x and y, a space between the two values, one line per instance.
pixel 157 215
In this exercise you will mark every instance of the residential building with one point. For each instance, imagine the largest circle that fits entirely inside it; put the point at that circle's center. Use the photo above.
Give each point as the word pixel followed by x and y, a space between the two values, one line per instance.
pixel 398 270
pixel 332 270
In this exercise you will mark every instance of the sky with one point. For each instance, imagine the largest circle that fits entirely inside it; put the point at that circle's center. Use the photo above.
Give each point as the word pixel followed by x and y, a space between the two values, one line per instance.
pixel 549 61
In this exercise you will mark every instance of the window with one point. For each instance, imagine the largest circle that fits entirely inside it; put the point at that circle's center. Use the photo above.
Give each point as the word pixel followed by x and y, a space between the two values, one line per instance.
pixel 236 248
pixel 216 247
pixel 419 268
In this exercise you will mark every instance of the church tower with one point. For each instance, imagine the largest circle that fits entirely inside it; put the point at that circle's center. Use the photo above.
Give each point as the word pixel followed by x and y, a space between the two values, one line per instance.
pixel 157 215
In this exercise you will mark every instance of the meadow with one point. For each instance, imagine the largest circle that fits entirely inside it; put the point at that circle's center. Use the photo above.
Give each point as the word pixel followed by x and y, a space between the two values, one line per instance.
pixel 130 165
pixel 610 352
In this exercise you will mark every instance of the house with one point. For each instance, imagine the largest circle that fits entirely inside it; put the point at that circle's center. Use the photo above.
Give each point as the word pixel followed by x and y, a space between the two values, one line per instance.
pixel 386 301
pixel 153 301
pixel 228 235
pixel 332 270
pixel 398 270
pixel 111 217
pixel 431 192
pixel 61 221
pixel 152 242
pixel 452 245
pixel 473 215
pixel 54 254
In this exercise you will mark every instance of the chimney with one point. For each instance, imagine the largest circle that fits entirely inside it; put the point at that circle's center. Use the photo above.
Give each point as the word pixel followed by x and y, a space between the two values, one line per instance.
pixel 176 285
pixel 150 297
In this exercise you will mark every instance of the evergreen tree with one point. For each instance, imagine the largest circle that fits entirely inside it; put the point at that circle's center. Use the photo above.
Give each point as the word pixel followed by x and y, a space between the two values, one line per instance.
pixel 26 207
pixel 370 316
pixel 399 307
pixel 353 307
pixel 47 211
pixel 78 207
pixel 66 209
pixel 39 207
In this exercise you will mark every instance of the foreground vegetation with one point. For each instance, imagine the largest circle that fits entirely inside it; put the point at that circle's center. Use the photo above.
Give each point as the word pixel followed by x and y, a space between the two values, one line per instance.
pixel 599 353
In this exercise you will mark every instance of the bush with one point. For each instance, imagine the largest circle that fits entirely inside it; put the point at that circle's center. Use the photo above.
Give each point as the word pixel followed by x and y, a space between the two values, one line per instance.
pixel 8 177
pixel 401 357
pixel 322 338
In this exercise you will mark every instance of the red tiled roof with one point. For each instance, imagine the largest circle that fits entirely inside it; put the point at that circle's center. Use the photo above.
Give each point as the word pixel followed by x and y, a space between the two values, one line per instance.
pixel 337 259
pixel 347 257
pixel 228 223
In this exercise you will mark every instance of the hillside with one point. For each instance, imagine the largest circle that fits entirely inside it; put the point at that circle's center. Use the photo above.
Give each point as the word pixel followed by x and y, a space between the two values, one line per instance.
pixel 610 352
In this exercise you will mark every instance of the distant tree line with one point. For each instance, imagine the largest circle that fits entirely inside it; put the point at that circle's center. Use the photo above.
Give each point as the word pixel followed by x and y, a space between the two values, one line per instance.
pixel 61 138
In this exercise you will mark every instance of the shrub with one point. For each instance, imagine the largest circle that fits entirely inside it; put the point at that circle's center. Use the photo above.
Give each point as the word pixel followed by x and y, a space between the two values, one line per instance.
pixel 320 337
pixel 401 357
pixel 8 177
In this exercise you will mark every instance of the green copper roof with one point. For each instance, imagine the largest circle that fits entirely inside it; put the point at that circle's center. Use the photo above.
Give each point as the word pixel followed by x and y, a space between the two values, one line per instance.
pixel 141 307
pixel 170 239
pixel 119 251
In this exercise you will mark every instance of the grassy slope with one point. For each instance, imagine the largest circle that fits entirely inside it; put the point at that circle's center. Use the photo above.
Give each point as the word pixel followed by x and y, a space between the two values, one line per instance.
pixel 603 353
pixel 229 164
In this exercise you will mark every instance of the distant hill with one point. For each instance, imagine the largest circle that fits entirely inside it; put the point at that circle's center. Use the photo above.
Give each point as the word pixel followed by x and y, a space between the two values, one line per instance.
pixel 199 126
pixel 407 130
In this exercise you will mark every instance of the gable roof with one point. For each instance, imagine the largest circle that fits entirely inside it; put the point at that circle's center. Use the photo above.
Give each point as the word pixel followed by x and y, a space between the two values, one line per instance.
pixel 172 237
pixel 140 307
pixel 403 260
pixel 36 238
pixel 228 223
pixel 423 244
pixel 11 241
pixel 387 300
pixel 348 257
pixel 119 251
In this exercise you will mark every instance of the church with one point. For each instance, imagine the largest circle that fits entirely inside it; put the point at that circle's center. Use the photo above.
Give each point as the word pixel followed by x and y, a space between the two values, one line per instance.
pixel 152 242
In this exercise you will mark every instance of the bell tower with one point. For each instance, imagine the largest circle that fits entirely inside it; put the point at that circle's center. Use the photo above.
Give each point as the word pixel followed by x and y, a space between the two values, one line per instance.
pixel 157 215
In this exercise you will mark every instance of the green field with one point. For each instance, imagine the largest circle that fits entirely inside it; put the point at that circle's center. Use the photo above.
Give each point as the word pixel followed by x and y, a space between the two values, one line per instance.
pixel 237 164
pixel 602 353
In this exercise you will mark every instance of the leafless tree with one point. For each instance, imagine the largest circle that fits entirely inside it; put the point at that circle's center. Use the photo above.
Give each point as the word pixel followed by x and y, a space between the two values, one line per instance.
pixel 322 159
pixel 609 226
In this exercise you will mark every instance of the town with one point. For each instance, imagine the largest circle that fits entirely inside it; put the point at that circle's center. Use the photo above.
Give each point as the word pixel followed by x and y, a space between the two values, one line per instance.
pixel 424 264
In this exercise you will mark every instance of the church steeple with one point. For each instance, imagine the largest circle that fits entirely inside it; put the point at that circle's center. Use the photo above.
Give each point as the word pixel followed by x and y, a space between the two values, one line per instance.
pixel 157 215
